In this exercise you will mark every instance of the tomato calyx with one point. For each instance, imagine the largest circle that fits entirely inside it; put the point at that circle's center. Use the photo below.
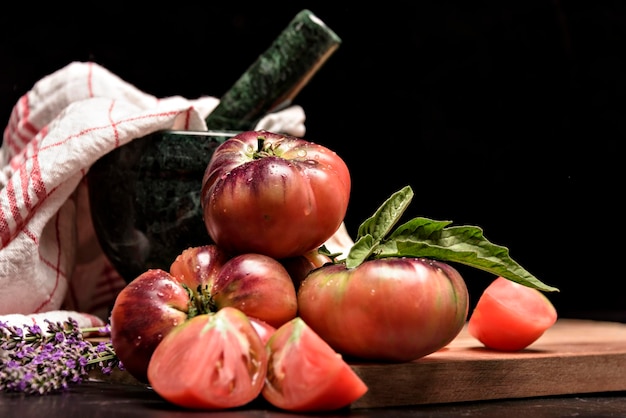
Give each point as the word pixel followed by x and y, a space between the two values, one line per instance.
pixel 264 149
pixel 200 301
pixel 427 238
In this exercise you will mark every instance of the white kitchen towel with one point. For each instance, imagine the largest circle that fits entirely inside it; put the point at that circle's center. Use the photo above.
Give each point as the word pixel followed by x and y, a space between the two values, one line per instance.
pixel 51 265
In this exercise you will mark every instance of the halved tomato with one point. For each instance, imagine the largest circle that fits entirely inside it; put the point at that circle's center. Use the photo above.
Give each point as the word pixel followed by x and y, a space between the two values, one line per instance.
pixel 510 316
pixel 212 361
pixel 305 374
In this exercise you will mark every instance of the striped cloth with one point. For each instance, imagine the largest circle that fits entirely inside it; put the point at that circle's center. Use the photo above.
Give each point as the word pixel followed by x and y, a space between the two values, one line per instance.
pixel 51 265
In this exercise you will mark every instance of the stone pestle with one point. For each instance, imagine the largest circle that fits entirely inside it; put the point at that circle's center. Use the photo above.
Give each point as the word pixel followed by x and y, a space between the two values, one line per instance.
pixel 277 75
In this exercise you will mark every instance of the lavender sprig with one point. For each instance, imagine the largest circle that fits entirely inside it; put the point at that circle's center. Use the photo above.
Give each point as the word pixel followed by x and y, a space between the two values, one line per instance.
pixel 37 362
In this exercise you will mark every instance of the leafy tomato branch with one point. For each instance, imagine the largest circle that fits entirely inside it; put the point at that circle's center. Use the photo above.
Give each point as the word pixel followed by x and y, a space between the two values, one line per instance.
pixel 423 237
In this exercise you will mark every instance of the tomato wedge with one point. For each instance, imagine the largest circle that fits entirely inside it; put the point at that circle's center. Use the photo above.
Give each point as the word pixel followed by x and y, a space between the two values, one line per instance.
pixel 212 361
pixel 510 316
pixel 304 374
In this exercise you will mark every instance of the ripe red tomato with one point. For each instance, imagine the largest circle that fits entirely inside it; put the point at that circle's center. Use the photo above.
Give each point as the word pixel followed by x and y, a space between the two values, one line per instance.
pixel 212 361
pixel 199 269
pixel 510 316
pixel 299 267
pixel 259 286
pixel 144 312
pixel 273 194
pixel 201 280
pixel 305 374
pixel 390 309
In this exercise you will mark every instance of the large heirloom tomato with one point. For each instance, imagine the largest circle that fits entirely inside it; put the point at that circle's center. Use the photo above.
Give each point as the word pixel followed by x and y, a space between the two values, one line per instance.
pixel 273 194
pixel 391 309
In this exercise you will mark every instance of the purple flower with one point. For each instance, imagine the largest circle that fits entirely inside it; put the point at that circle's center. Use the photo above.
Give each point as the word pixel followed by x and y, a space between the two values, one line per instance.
pixel 33 330
pixel 37 362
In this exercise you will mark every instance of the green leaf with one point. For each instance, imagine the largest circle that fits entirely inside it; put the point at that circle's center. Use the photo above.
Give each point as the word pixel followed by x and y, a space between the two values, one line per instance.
pixel 360 251
pixel 375 228
pixel 389 213
pixel 419 227
pixel 461 244
pixel 325 251
pixel 423 237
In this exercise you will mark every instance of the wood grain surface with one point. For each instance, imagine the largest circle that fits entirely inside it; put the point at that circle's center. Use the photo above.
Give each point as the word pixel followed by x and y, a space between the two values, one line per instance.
pixel 574 356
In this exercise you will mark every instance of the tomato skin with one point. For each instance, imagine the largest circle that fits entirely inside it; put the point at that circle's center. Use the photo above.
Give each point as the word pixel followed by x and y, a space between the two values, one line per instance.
pixel 144 312
pixel 259 286
pixel 304 374
pixel 282 202
pixel 199 266
pixel 299 267
pixel 509 316
pixel 262 328
pixel 213 361
pixel 391 309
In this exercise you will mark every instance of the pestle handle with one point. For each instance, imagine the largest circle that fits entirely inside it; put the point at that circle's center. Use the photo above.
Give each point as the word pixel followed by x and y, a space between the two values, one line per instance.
pixel 277 75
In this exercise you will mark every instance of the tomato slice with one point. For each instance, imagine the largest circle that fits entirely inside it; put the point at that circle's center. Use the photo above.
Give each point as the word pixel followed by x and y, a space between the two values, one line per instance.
pixel 510 316
pixel 305 374
pixel 212 361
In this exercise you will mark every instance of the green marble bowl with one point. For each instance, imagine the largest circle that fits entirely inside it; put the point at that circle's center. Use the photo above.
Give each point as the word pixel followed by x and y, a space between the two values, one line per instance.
pixel 145 198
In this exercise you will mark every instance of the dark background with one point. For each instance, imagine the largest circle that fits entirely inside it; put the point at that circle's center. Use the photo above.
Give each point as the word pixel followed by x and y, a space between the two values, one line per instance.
pixel 504 115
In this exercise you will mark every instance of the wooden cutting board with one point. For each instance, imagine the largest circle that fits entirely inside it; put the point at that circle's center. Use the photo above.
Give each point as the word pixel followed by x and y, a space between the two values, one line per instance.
pixel 574 356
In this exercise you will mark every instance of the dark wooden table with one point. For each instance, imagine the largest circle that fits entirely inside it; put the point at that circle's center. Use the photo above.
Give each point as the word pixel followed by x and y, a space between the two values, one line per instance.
pixel 577 369
pixel 118 400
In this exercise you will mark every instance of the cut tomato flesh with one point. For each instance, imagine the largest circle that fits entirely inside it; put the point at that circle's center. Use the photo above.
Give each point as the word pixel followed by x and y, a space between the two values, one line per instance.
pixel 212 361
pixel 510 316
pixel 305 374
